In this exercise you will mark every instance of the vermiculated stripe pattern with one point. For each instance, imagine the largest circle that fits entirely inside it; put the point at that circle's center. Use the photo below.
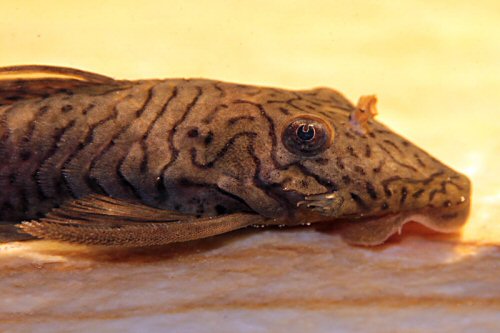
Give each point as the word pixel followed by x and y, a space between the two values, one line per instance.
pixel 203 147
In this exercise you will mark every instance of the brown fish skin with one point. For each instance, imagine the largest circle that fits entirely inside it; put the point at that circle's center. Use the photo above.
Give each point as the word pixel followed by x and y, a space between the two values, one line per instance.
pixel 211 148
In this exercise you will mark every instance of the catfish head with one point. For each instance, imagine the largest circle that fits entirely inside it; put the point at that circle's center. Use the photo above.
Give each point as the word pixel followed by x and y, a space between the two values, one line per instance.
pixel 102 161
pixel 320 158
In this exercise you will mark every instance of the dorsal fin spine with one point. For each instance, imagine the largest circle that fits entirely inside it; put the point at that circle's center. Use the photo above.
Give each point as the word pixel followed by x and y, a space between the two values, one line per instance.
pixel 64 72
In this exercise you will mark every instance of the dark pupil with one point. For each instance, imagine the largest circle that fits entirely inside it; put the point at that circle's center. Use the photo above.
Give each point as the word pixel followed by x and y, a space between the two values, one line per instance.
pixel 305 132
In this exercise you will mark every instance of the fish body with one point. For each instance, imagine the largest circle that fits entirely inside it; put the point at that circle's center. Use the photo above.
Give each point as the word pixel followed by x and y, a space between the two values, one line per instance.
pixel 89 159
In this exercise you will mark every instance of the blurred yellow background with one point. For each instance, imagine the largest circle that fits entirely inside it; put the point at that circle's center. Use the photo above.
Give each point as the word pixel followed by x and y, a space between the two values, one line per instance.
pixel 433 64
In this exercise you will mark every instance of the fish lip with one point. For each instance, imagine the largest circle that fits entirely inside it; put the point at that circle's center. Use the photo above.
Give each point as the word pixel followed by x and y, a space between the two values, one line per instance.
pixel 440 219
pixel 376 229
pixel 446 218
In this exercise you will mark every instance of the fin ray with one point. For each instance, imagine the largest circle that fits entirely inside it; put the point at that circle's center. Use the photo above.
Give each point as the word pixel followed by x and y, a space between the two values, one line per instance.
pixel 42 71
pixel 100 220
pixel 32 81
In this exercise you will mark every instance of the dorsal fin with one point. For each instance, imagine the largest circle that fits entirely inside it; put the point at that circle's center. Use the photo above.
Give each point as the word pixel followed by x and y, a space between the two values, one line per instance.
pixel 33 81
pixel 26 72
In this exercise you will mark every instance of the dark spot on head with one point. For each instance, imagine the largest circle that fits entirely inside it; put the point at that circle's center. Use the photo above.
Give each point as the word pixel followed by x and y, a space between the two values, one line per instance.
pixel 418 193
pixel 388 192
pixel 193 133
pixel 284 110
pixel 378 168
pixel 66 108
pixel 349 135
pixel 209 138
pixel 88 108
pixel 359 201
pixel 371 190
pixel 372 135
pixel 340 164
pixel 359 170
pixel 346 179
pixel 221 210
pixel 351 151
pixel 368 151
pixel 392 144
pixel 419 160
pixel 25 155
pixel 385 206
pixel 405 143
pixel 234 120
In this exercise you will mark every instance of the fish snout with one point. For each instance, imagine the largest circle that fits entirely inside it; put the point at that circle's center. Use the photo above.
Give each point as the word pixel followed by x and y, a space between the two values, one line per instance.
pixel 449 190
pixel 441 201
pixel 443 191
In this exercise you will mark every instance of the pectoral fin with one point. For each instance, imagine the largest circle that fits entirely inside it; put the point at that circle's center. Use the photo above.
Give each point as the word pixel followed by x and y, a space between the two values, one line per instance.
pixel 100 220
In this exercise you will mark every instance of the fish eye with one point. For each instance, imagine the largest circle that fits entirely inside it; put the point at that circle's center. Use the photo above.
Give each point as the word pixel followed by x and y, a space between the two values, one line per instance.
pixel 307 136
pixel 306 132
